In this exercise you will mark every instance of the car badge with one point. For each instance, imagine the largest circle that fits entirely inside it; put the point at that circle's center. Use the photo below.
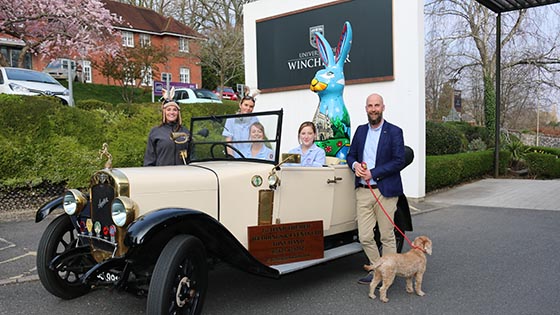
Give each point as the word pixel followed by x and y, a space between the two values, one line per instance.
pixel 82 225
pixel 102 177
pixel 112 231
pixel 256 181
pixel 97 228
pixel 89 225
pixel 49 93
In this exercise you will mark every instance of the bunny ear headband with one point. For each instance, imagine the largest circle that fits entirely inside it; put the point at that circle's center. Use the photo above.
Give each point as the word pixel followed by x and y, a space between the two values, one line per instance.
pixel 250 94
pixel 168 98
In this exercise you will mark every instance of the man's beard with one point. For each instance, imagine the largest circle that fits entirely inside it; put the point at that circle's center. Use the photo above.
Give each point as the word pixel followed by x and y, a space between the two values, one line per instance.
pixel 375 121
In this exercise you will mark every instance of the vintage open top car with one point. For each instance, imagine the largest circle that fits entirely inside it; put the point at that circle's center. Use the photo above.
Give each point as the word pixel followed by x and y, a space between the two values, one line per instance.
pixel 156 229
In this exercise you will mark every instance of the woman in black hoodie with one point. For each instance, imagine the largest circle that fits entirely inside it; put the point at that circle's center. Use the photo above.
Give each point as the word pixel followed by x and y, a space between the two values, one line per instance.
pixel 161 148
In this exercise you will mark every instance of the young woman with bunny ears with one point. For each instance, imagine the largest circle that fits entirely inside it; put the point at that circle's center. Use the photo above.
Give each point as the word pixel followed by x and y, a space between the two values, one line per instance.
pixel 161 148
pixel 237 129
pixel 311 154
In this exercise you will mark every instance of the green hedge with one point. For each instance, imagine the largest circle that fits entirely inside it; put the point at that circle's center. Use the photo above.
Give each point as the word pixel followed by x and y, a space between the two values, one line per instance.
pixel 44 141
pixel 444 139
pixel 452 169
pixel 543 162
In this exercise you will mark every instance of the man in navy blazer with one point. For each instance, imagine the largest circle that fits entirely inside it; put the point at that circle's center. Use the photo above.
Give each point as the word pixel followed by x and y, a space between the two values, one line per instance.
pixel 376 156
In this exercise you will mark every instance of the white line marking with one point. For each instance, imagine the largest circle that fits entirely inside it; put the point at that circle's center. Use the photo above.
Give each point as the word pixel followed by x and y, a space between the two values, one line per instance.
pixel 18 257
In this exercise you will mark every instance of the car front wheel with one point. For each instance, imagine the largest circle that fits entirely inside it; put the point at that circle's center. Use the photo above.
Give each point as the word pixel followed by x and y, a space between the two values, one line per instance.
pixel 64 280
pixel 180 278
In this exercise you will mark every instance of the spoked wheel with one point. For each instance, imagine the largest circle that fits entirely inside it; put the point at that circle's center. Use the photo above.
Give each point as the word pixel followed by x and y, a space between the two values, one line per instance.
pixel 180 278
pixel 64 281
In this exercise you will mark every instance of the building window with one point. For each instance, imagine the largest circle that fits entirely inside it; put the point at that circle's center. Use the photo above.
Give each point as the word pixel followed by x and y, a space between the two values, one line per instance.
pixel 12 54
pixel 147 76
pixel 145 40
pixel 184 75
pixel 86 71
pixel 127 39
pixel 183 45
pixel 128 76
pixel 166 76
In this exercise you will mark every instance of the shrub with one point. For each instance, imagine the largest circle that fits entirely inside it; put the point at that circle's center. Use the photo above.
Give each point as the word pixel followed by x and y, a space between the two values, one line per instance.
pixel 477 145
pixel 93 104
pixel 470 132
pixel 442 139
pixel 45 142
pixel 452 169
pixel 543 165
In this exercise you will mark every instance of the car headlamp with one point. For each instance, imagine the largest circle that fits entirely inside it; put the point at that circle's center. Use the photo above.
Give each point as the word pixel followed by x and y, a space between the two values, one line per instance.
pixel 123 211
pixel 74 202
pixel 18 88
pixel 273 180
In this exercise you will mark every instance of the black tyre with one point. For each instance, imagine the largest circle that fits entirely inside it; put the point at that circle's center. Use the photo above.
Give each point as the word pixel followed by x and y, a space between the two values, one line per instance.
pixel 64 281
pixel 180 278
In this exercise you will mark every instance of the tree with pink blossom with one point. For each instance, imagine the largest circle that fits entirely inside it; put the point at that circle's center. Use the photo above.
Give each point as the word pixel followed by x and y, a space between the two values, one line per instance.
pixel 59 28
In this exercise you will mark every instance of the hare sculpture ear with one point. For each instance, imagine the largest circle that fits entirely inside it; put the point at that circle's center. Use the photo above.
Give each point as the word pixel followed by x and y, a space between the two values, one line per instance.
pixel 325 50
pixel 344 43
pixel 171 93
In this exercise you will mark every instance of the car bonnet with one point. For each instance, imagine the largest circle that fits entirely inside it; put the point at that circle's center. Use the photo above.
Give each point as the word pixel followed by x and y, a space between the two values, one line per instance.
pixel 173 186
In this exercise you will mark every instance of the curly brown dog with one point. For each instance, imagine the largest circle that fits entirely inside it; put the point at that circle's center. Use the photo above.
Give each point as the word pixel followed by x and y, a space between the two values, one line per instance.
pixel 408 265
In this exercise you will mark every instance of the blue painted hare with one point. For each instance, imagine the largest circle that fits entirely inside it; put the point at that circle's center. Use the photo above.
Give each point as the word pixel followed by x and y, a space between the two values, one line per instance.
pixel 331 118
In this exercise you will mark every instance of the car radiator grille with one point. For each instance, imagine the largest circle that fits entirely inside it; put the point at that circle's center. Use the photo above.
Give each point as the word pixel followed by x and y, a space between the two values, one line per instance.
pixel 103 234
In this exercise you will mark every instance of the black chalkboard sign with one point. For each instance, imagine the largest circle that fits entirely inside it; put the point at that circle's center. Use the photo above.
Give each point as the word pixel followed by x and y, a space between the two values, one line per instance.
pixel 287 58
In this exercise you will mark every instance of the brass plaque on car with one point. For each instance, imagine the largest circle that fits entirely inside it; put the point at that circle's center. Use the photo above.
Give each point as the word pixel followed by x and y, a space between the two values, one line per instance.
pixel 266 203
pixel 284 243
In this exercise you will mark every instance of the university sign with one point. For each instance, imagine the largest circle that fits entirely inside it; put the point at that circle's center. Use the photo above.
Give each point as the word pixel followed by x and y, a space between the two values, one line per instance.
pixel 287 56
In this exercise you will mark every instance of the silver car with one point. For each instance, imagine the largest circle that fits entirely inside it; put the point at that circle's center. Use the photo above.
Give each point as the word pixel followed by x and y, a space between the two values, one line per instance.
pixel 30 82
pixel 190 96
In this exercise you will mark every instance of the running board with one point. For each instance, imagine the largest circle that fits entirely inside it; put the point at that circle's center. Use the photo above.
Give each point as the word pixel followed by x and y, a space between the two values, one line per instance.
pixel 330 254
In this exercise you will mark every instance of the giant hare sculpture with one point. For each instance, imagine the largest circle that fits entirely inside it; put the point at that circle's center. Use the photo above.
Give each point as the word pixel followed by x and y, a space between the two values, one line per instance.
pixel 331 118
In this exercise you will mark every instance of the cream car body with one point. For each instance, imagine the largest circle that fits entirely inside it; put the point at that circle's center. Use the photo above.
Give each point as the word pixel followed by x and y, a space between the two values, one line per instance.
pixel 154 228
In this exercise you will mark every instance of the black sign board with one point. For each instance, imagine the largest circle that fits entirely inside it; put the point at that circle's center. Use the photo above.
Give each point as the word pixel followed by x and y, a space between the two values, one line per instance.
pixel 287 58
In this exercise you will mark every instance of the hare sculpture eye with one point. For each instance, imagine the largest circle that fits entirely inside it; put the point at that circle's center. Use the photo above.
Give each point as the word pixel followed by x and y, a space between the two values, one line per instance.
pixel 331 117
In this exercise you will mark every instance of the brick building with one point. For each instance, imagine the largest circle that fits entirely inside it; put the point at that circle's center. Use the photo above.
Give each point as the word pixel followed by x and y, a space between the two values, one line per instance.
pixel 141 26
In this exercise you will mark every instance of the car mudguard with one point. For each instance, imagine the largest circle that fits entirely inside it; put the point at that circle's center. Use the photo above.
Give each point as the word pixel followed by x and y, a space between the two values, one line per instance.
pixel 147 236
pixel 47 208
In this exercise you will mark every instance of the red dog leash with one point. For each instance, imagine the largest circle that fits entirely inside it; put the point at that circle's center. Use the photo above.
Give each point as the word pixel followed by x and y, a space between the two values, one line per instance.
pixel 364 166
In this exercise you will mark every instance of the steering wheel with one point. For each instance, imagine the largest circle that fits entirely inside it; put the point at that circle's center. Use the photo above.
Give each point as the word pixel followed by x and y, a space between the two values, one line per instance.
pixel 225 146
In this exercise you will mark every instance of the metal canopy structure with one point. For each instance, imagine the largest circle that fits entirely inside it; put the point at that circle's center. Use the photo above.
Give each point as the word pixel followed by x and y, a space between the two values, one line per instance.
pixel 499 6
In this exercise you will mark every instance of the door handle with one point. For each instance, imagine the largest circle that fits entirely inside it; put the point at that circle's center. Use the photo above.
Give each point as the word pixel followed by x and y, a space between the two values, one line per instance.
pixel 335 180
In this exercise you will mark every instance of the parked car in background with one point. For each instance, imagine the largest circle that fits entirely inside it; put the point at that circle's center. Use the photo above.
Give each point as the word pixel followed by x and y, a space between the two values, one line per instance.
pixel 30 82
pixel 227 93
pixel 190 96
pixel 58 69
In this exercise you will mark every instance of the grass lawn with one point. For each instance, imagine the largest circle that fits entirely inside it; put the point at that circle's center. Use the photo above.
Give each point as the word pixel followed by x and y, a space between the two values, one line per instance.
pixel 106 93
pixel 112 94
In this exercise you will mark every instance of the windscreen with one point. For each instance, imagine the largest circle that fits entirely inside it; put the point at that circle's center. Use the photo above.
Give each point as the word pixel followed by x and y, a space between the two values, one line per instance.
pixel 246 137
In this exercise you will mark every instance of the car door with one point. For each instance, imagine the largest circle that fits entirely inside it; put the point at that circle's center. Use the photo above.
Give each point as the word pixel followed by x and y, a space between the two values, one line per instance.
pixel 304 194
